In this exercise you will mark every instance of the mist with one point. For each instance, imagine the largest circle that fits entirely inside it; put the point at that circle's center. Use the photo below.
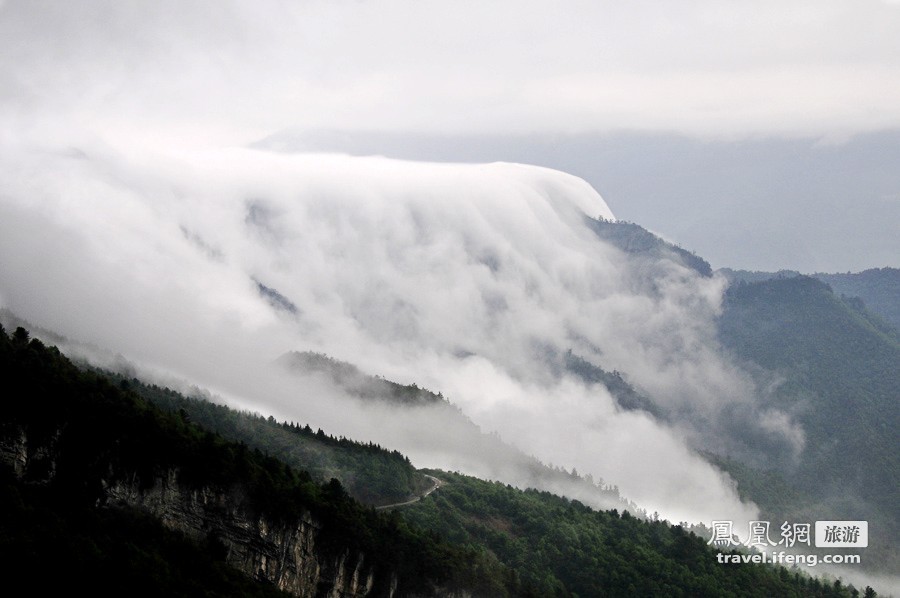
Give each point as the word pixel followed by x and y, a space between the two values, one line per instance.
pixel 464 279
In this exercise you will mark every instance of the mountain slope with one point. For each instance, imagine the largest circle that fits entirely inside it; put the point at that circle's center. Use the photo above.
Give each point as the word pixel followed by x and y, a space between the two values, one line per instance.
pixel 636 240
pixel 567 549
pixel 879 288
pixel 76 443
pixel 444 428
pixel 839 377
pixel 369 473
pixel 472 279
pixel 625 394
pixel 78 447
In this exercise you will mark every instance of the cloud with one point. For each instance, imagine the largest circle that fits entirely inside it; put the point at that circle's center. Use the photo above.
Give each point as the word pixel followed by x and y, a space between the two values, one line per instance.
pixel 470 279
pixel 137 224
pixel 238 70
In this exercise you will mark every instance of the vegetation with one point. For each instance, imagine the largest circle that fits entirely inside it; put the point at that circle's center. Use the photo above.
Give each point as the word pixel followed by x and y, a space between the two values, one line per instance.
pixel 369 473
pixel 625 394
pixel 840 373
pixel 359 384
pixel 488 538
pixel 636 240
pixel 54 545
pixel 878 288
pixel 564 548
pixel 276 299
pixel 103 432
pixel 460 436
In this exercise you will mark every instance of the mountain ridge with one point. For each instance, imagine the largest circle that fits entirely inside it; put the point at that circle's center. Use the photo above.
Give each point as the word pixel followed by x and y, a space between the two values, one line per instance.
pixel 178 487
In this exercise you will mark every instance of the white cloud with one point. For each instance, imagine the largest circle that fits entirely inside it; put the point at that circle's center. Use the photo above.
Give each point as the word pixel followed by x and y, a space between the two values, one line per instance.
pixel 464 278
pixel 127 235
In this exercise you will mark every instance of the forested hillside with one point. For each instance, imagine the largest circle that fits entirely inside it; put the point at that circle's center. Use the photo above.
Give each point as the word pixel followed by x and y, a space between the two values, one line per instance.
pixel 453 433
pixel 88 466
pixel 636 240
pixel 879 288
pixel 838 373
pixel 73 441
pixel 369 473
pixel 567 549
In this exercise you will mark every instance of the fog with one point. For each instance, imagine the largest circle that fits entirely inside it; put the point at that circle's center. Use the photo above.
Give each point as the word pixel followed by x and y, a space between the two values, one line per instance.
pixel 465 279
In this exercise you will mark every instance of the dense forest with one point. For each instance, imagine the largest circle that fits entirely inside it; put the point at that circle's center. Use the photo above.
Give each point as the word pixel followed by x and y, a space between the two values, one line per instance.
pixel 371 474
pixel 91 433
pixel 487 538
pixel 837 369
pixel 567 549
pixel 877 288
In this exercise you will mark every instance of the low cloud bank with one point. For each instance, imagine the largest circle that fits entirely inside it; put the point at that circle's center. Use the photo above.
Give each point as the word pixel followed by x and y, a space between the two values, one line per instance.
pixel 470 280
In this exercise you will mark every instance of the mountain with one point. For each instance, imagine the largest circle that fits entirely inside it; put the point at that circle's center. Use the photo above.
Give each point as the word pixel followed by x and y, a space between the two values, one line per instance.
pixel 93 473
pixel 369 473
pixel 877 288
pixel 354 381
pixel 836 370
pixel 417 409
pixel 626 395
pixel 545 331
pixel 81 456
pixel 636 240
pixel 472 280
pixel 565 548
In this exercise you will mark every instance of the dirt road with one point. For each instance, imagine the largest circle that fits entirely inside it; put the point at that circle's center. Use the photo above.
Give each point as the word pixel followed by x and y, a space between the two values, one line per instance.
pixel 437 484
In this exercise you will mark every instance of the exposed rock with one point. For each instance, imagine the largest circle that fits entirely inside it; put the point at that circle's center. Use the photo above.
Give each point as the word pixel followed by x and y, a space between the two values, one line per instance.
pixel 13 448
pixel 286 554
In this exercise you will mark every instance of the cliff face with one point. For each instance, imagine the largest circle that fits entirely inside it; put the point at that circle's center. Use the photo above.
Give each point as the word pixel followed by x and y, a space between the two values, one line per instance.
pixel 287 555
pixel 283 554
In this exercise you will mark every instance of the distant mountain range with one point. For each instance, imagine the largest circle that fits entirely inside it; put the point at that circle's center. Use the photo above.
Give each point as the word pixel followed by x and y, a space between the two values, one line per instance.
pixel 878 288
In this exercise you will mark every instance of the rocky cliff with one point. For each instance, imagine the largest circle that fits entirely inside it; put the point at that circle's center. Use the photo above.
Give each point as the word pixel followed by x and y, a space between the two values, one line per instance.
pixel 286 554
pixel 134 499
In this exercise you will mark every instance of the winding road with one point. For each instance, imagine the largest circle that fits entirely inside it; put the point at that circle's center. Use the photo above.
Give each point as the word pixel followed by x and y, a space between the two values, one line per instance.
pixel 437 484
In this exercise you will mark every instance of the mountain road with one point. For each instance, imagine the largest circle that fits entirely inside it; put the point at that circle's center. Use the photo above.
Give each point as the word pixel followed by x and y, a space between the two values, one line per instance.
pixel 436 484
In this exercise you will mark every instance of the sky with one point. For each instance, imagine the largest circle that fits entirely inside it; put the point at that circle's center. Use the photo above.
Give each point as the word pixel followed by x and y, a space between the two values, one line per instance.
pixel 743 131
pixel 159 160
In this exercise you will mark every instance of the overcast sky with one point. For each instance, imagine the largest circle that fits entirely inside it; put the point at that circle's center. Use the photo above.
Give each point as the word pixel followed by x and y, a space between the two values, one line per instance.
pixel 716 123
